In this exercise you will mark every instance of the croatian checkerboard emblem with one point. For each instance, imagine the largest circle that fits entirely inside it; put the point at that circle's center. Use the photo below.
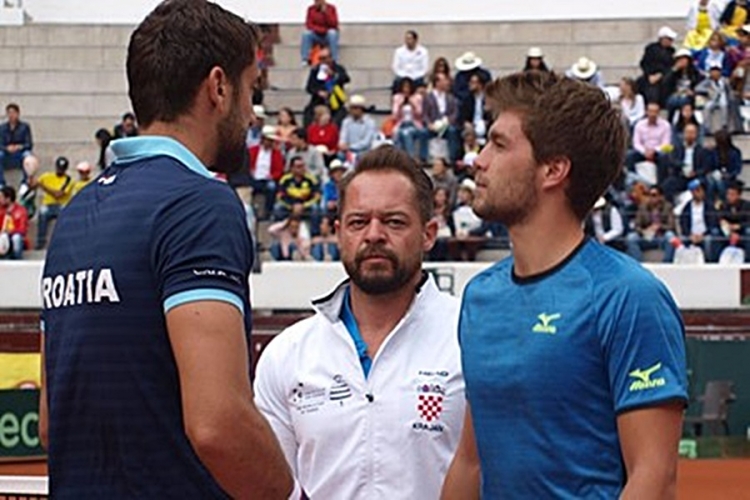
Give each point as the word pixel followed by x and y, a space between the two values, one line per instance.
pixel 430 402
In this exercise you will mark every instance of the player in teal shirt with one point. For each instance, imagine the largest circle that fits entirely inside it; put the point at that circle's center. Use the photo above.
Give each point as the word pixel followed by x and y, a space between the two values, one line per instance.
pixel 573 354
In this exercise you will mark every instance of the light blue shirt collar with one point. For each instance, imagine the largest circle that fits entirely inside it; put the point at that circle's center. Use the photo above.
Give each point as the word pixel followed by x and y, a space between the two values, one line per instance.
pixel 133 149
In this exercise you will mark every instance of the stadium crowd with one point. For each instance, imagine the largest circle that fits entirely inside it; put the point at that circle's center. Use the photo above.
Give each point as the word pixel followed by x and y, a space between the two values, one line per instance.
pixel 680 191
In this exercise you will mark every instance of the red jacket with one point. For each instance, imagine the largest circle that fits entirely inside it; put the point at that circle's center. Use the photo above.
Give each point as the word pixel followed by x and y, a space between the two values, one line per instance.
pixel 321 21
pixel 18 222
pixel 327 135
pixel 277 162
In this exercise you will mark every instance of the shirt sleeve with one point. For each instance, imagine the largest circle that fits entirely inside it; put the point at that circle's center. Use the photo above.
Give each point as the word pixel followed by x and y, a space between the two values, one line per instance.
pixel 201 249
pixel 271 400
pixel 643 344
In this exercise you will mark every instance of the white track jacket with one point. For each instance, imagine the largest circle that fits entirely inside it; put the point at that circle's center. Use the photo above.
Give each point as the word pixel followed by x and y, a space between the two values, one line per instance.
pixel 390 436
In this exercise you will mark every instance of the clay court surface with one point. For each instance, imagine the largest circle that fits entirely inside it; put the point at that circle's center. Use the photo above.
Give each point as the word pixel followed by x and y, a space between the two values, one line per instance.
pixel 698 479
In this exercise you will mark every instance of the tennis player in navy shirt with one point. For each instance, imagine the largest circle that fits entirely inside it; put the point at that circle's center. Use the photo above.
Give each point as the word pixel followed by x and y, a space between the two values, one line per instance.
pixel 145 287
pixel 573 354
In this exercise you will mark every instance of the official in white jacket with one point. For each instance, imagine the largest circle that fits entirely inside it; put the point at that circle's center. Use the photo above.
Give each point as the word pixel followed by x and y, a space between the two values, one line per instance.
pixel 367 396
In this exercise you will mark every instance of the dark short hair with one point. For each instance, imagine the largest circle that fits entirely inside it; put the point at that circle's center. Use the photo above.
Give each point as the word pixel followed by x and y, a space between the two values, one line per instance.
pixel 174 49
pixel 128 116
pixel 737 185
pixel 387 158
pixel 9 192
pixel 296 158
pixel 413 33
pixel 15 107
pixel 301 133
pixel 566 118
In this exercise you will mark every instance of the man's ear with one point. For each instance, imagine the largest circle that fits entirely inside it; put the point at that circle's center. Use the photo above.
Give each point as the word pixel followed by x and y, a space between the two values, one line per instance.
pixel 429 235
pixel 218 88
pixel 556 172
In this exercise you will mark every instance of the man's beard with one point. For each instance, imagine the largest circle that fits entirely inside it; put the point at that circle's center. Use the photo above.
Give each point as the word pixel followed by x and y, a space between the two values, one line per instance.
pixel 385 279
pixel 231 153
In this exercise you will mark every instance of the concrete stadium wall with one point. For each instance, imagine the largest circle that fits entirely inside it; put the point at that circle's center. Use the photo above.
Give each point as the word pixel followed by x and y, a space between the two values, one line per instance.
pixel 357 11
pixel 694 287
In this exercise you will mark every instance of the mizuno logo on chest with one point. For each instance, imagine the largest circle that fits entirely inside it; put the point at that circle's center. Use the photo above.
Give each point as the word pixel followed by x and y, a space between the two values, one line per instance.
pixel 545 324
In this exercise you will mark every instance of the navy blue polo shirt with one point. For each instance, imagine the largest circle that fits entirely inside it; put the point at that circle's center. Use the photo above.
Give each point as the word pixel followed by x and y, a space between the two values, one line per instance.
pixel 154 231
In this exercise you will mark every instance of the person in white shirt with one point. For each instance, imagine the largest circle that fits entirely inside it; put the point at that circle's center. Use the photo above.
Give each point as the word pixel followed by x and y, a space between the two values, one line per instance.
pixel 411 60
pixel 367 396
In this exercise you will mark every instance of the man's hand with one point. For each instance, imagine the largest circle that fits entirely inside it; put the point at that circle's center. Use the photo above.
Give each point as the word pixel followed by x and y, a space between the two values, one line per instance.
pixel 696 239
pixel 654 79
pixel 323 94
pixel 650 155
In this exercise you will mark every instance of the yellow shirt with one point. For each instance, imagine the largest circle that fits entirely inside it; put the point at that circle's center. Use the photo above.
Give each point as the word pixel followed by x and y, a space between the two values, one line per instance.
pixel 51 181
pixel 78 185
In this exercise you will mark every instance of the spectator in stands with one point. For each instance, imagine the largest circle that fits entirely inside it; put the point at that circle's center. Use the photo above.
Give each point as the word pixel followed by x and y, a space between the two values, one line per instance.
pixel 406 112
pixel 656 63
pixel 411 60
pixel 441 65
pixel 312 157
pixel 14 223
pixel 654 227
pixel 358 131
pixel 473 109
pixel 682 119
pixel 57 187
pixel 323 133
pixel 321 28
pixel 291 239
pixel 713 54
pixel 587 71
pixel 255 131
pixel 336 172
pixel 15 143
pixel 733 18
pixel 299 194
pixel 326 86
pixel 724 165
pixel 631 103
pixel 106 156
pixel 324 246
pixel 84 177
pixel 739 55
pixel 464 219
pixel 720 110
pixel 703 19
pixel 466 65
pixel 470 149
pixel 687 160
pixel 606 224
pixel 680 82
pixel 652 137
pixel 535 60
pixel 286 124
pixel 442 214
pixel 127 127
pixel 266 168
pixel 440 114
pixel 442 176
pixel 734 216
pixel 699 224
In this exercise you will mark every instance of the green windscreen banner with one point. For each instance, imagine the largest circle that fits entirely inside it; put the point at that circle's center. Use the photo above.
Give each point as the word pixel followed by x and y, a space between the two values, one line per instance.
pixel 19 421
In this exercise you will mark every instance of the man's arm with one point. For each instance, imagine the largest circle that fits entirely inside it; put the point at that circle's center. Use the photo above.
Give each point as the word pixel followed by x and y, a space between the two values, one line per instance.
pixel 649 438
pixel 462 479
pixel 229 435
pixel 638 140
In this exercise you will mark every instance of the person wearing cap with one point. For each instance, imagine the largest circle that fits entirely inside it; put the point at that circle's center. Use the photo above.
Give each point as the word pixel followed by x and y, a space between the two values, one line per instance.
pixel 358 130
pixel 702 21
pixel 84 177
pixel 411 60
pixel 535 60
pixel 734 17
pixel 466 65
pixel 605 223
pixel 699 222
pixel 266 167
pixel 720 110
pixel 656 63
pixel 336 171
pixel 255 131
pixel 734 216
pixel 713 54
pixel 57 188
pixel 680 82
pixel 587 71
